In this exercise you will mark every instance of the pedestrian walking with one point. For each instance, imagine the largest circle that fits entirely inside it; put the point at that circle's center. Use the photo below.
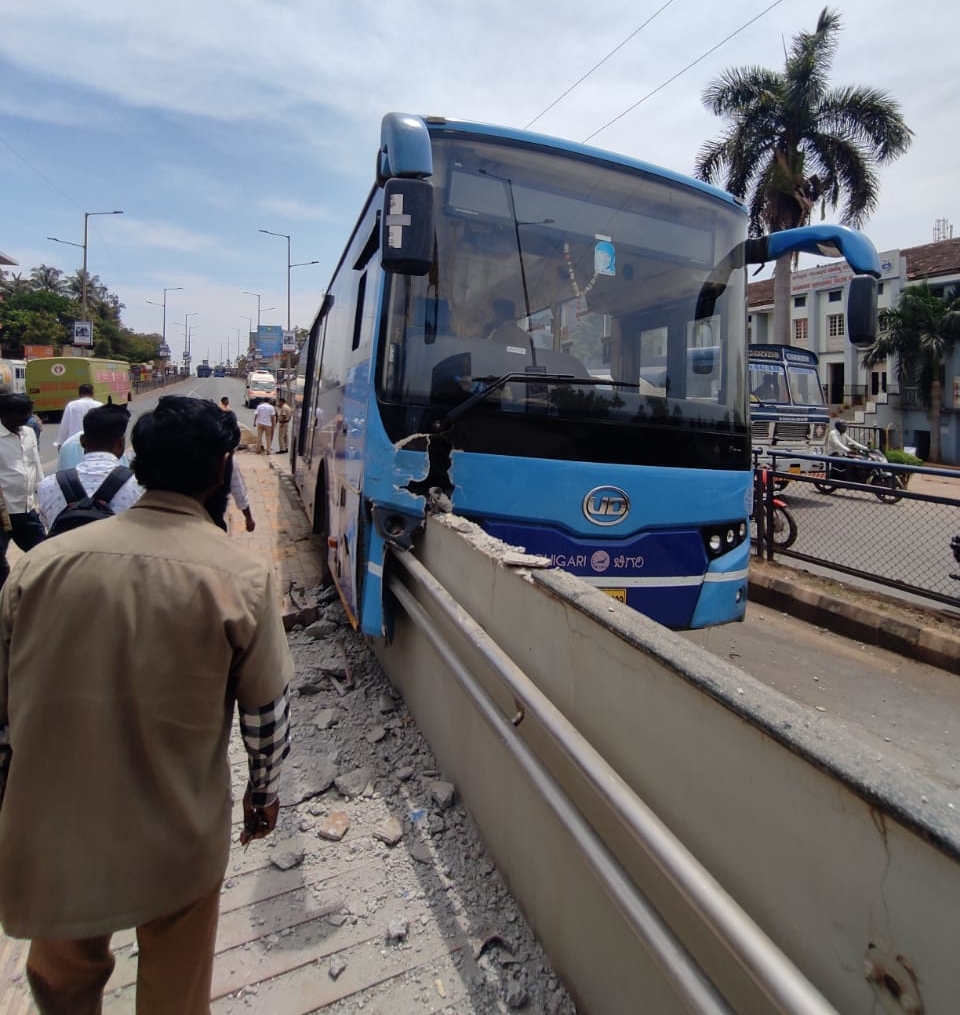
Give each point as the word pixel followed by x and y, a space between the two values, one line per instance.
pixel 264 417
pixel 233 484
pixel 188 626
pixel 71 421
pixel 284 412
pixel 103 440
pixel 20 475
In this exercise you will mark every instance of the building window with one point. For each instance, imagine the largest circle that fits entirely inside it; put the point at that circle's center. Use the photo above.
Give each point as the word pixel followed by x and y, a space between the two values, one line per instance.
pixel 799 301
pixel 879 288
pixel 835 325
pixel 800 331
pixel 878 381
pixel 749 327
pixel 835 295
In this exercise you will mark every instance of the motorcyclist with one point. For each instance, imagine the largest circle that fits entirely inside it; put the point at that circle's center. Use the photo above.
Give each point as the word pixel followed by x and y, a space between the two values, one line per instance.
pixel 838 443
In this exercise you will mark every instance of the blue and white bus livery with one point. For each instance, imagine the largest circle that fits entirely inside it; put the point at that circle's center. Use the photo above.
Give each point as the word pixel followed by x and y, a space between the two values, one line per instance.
pixel 552 339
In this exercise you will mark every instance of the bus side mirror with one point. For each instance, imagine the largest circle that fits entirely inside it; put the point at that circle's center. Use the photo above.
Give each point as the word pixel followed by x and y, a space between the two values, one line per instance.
pixel 862 311
pixel 406 246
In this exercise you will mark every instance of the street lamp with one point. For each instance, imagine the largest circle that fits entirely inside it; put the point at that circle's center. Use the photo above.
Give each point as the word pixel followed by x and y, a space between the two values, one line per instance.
pixel 186 336
pixel 247 292
pixel 86 216
pixel 286 237
pixel 168 289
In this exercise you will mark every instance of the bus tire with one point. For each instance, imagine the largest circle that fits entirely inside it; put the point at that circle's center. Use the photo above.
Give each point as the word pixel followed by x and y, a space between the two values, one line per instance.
pixel 321 528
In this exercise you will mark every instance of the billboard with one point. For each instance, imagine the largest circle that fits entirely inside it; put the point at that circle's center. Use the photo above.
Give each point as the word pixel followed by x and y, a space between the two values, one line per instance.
pixel 270 340
pixel 82 333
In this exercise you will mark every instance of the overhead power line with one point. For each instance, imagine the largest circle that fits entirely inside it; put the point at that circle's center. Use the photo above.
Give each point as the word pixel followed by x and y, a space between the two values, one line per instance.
pixel 693 63
pixel 580 81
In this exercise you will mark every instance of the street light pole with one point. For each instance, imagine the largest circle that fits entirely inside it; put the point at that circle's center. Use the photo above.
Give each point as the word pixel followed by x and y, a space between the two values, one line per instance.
pixel 286 237
pixel 186 337
pixel 247 292
pixel 83 246
pixel 168 289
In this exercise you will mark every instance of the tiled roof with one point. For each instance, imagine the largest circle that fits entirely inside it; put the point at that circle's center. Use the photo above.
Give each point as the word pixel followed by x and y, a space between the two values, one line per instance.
pixel 929 260
pixel 760 294
pixel 933 260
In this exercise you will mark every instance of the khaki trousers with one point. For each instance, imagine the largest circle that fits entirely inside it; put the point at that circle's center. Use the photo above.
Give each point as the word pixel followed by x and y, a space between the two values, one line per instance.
pixel 283 432
pixel 261 430
pixel 174 967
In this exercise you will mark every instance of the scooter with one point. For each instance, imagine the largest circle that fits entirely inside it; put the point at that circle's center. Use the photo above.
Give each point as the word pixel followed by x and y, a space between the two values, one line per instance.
pixel 784 524
pixel 955 546
pixel 853 469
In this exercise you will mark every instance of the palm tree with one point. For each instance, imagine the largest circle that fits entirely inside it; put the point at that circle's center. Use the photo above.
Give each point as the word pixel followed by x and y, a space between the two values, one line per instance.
pixel 792 142
pixel 920 332
pixel 47 279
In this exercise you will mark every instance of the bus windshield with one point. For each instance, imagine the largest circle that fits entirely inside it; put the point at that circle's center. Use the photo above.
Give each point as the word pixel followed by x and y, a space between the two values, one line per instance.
pixel 570 288
pixel 784 381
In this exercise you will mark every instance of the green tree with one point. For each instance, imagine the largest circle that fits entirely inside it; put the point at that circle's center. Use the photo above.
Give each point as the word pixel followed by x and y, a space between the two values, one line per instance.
pixel 793 141
pixel 920 332
pixel 47 279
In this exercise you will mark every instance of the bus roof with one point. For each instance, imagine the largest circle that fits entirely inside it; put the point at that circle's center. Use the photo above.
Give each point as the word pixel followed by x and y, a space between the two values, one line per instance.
pixel 442 124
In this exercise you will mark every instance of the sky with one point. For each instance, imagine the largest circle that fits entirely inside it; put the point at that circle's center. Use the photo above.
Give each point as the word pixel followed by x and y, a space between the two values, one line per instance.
pixel 205 123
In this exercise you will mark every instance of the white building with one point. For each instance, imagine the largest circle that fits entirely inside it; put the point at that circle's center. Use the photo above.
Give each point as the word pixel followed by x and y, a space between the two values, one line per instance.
pixel 871 397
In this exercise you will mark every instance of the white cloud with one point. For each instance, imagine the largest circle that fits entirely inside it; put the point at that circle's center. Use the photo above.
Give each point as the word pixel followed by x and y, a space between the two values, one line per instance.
pixel 207 122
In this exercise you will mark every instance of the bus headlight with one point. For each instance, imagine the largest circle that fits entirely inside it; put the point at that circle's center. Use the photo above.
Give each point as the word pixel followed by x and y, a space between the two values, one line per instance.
pixel 720 539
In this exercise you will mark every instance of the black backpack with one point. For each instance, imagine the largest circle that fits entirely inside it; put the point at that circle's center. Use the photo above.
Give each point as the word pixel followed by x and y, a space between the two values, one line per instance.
pixel 83 507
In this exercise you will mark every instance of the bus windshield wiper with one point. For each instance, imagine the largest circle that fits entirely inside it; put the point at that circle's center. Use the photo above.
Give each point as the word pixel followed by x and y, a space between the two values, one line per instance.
pixel 528 378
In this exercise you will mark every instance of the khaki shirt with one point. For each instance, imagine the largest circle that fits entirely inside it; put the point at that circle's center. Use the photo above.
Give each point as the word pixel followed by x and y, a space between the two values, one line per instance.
pixel 124 645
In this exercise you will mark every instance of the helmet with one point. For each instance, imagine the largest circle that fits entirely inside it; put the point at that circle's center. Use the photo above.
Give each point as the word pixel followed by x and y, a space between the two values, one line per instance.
pixel 841 426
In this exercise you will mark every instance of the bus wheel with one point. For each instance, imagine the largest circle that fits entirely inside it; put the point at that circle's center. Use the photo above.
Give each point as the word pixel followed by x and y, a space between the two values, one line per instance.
pixel 321 528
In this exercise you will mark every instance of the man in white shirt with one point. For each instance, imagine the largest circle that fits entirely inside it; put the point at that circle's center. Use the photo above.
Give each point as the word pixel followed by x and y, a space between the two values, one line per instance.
pixel 838 443
pixel 20 475
pixel 72 420
pixel 264 417
pixel 104 441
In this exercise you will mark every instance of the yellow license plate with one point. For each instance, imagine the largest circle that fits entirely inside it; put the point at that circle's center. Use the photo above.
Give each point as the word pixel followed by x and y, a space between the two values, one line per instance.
pixel 794 468
pixel 619 594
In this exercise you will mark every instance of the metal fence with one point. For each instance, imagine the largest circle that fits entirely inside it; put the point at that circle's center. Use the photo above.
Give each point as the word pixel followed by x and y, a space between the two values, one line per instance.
pixel 888 524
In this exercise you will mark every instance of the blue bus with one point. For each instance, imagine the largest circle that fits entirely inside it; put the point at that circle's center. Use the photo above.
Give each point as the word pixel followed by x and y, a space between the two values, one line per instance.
pixel 549 340
pixel 787 409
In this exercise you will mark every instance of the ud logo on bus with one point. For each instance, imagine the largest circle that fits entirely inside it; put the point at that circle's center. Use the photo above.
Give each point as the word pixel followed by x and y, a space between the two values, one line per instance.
pixel 606 505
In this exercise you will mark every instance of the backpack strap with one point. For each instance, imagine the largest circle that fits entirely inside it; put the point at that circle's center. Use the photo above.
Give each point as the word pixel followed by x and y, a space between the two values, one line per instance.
pixel 110 487
pixel 70 485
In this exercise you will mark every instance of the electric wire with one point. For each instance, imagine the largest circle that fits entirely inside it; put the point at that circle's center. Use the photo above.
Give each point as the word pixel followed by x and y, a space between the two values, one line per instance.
pixel 580 80
pixel 693 63
pixel 42 176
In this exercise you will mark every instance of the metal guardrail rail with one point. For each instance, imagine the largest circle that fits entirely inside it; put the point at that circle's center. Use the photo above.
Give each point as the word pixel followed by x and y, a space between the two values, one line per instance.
pixel 903 543
pixel 778 979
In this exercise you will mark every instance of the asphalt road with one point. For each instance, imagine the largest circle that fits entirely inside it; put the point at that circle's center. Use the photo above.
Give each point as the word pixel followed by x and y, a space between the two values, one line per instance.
pixel 905 710
pixel 213 388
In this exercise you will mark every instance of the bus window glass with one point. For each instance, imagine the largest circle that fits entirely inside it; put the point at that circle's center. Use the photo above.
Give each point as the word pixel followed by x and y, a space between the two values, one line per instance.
pixel 574 269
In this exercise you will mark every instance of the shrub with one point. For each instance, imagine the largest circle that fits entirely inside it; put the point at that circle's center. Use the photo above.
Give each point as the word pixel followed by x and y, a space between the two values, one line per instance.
pixel 903 458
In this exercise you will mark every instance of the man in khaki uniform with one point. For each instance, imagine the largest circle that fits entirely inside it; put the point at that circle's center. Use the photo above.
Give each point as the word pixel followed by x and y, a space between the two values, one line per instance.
pixel 115 720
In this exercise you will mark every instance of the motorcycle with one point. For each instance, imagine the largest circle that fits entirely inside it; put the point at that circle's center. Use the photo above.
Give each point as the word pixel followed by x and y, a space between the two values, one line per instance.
pixel 851 468
pixel 784 524
pixel 955 546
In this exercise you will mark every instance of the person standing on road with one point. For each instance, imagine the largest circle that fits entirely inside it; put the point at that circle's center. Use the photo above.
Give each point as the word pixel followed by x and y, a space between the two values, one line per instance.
pixel 116 808
pixel 20 475
pixel 104 441
pixel 71 421
pixel 264 417
pixel 284 412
